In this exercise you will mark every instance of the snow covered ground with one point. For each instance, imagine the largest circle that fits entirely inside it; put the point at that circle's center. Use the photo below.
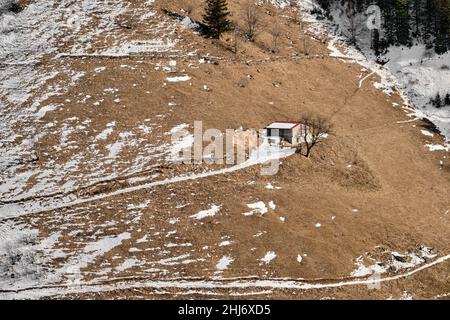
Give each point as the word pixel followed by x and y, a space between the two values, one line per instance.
pixel 419 73
pixel 268 284
pixel 55 29
pixel 264 154
pixel 34 44
pixel 422 75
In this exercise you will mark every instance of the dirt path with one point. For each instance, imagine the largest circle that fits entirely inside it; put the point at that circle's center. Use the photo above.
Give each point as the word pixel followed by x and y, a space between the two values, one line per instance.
pixel 189 284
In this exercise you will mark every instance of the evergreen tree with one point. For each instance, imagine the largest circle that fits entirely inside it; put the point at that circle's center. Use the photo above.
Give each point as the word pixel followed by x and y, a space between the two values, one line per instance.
pixel 438 101
pixel 325 4
pixel 216 18
pixel 389 26
pixel 404 22
pixel 418 17
pixel 442 28
pixel 447 99
pixel 375 41
pixel 430 23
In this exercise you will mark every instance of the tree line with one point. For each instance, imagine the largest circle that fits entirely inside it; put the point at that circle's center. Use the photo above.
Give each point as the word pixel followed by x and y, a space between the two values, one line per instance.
pixel 404 22
pixel 440 101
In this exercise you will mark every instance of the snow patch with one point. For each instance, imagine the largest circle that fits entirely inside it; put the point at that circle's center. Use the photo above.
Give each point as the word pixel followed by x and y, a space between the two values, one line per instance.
pixel 178 79
pixel 207 213
pixel 270 255
pixel 224 262
pixel 257 208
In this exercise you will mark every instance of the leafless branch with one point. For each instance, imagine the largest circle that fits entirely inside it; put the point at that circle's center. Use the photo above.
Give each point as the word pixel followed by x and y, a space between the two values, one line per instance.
pixel 314 129
pixel 252 19
pixel 276 33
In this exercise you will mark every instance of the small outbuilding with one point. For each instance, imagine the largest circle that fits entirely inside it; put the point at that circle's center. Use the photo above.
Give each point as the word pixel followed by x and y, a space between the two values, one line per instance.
pixel 288 131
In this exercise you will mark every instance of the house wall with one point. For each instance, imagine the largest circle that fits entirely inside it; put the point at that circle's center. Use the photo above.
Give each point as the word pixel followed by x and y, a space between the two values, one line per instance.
pixel 296 133
pixel 293 136
pixel 282 133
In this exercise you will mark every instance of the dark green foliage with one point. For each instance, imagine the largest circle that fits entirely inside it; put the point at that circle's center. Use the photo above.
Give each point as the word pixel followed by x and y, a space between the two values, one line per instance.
pixel 216 18
pixel 376 44
pixel 407 21
pixel 437 101
pixel 447 99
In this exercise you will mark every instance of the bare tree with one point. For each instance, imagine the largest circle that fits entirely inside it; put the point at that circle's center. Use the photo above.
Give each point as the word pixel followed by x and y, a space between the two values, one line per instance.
pixel 275 32
pixel 306 45
pixel 252 19
pixel 314 129
pixel 354 23
pixel 236 39
pixel 295 12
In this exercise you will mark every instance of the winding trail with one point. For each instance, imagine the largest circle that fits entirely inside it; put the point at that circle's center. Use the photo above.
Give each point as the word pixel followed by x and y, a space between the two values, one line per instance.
pixel 14 210
pixel 366 77
pixel 262 284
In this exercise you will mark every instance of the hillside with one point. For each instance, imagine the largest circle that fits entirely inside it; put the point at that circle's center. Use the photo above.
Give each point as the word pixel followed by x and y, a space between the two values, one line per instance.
pixel 93 205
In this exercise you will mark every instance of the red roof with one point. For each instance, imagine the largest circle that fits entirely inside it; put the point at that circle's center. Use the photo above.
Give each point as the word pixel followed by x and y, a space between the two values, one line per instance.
pixel 293 123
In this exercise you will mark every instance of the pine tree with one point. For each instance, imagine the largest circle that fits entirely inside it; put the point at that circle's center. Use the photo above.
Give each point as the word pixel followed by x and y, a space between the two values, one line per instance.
pixel 403 23
pixel 417 8
pixel 447 99
pixel 438 101
pixel 375 42
pixel 388 12
pixel 442 28
pixel 215 18
pixel 429 23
